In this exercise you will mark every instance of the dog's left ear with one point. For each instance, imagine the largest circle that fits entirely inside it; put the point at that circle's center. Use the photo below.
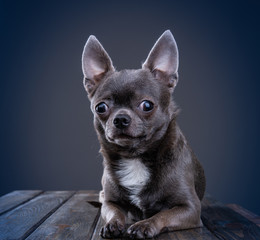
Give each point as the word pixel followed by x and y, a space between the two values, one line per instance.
pixel 163 60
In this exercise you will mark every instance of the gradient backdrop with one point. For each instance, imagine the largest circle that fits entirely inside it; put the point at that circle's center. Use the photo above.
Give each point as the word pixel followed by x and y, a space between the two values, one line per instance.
pixel 47 137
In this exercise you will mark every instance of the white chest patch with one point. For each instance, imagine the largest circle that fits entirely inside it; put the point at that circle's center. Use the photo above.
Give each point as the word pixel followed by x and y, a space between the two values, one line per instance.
pixel 133 175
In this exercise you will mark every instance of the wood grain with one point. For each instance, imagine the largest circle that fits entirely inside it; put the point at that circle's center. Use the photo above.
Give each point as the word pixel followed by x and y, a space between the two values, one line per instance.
pixel 14 199
pixel 21 221
pixel 69 215
pixel 76 219
pixel 194 234
pixel 225 223
pixel 244 212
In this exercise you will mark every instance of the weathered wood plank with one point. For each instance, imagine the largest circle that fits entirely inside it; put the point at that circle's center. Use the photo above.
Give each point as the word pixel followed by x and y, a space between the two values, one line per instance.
pixel 226 223
pixel 76 219
pixel 15 198
pixel 57 215
pixel 195 234
pixel 244 212
pixel 21 221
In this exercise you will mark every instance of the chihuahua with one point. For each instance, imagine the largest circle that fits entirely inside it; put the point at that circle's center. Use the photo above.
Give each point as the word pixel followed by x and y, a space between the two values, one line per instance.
pixel 152 181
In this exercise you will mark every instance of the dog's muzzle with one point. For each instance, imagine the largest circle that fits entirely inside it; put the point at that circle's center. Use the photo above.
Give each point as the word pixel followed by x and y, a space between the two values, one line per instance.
pixel 121 121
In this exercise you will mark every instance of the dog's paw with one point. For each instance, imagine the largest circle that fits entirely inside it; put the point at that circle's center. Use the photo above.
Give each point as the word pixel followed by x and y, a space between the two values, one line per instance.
pixel 113 229
pixel 142 229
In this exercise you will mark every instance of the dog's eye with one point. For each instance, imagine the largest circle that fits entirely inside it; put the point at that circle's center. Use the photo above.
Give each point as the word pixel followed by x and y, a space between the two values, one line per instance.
pixel 146 106
pixel 101 108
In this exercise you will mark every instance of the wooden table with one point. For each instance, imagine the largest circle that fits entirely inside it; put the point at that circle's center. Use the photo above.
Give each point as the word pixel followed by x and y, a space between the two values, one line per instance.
pixel 76 215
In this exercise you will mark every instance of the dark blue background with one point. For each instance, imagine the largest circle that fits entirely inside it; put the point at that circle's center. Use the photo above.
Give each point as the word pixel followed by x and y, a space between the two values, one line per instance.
pixel 47 136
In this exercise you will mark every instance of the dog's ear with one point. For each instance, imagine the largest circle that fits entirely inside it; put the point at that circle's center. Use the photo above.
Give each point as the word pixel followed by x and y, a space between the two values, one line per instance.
pixel 95 64
pixel 163 60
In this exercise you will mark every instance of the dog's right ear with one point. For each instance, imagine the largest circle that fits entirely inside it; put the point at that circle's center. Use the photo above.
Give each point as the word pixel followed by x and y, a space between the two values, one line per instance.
pixel 95 64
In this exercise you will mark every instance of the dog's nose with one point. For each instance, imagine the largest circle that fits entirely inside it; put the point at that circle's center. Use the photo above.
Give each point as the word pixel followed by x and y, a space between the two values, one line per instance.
pixel 122 121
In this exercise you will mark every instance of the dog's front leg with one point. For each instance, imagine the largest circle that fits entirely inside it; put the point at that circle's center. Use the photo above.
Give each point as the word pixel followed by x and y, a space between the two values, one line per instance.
pixel 115 219
pixel 177 218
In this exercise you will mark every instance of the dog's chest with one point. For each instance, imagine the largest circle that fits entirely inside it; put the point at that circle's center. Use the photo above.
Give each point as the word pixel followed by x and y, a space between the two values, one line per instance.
pixel 133 175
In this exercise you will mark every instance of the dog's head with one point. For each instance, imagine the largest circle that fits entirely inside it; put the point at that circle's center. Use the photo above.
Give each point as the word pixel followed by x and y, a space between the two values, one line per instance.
pixel 131 107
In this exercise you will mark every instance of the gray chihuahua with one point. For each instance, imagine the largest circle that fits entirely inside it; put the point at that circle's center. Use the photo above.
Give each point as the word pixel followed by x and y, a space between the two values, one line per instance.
pixel 151 176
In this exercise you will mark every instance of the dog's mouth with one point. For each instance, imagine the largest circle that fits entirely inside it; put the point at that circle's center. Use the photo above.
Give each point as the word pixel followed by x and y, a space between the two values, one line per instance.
pixel 125 139
pixel 124 136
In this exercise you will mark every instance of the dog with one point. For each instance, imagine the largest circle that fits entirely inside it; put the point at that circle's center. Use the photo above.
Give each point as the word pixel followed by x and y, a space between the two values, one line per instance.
pixel 152 181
